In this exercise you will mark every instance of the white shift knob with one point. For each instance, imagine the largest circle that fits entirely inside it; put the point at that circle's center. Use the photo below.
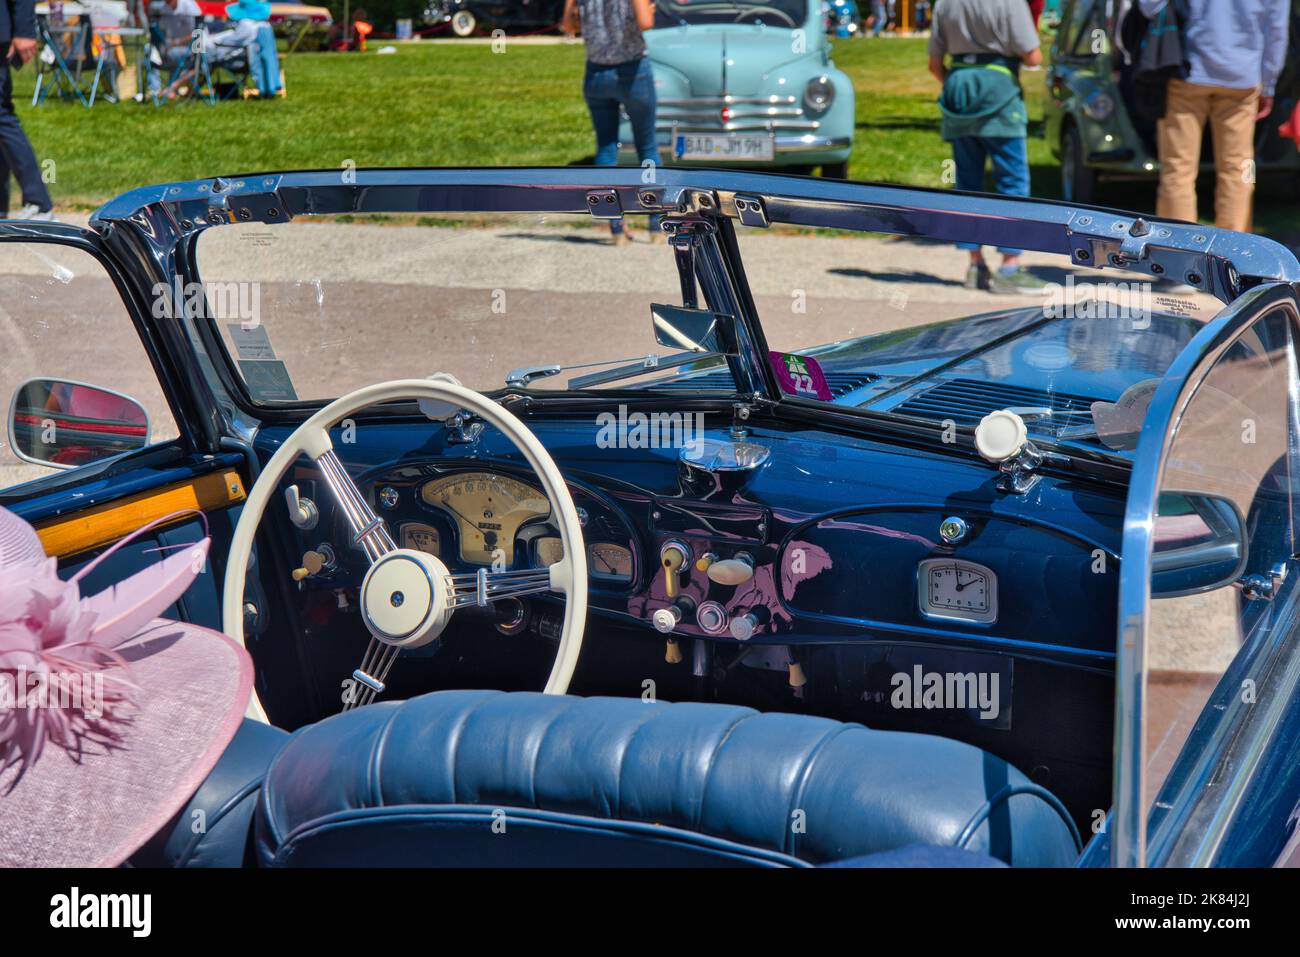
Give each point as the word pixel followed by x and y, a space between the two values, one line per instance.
pixel 1000 435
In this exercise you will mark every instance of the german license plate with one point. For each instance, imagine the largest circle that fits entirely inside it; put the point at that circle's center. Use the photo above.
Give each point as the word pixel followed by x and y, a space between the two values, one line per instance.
pixel 723 146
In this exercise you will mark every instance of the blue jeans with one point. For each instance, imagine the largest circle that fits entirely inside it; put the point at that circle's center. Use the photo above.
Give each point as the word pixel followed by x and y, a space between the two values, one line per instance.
pixel 1010 170
pixel 16 154
pixel 631 86
pixel 879 17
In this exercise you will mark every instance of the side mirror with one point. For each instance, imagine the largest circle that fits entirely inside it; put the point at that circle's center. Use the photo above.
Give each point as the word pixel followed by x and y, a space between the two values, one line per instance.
pixel 693 330
pixel 1200 544
pixel 64 424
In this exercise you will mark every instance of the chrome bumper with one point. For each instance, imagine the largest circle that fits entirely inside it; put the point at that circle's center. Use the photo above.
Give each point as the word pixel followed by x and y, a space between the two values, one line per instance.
pixel 785 145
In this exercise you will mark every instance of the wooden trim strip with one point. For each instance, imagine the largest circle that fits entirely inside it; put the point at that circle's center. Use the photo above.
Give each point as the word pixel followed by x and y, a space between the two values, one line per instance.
pixel 105 524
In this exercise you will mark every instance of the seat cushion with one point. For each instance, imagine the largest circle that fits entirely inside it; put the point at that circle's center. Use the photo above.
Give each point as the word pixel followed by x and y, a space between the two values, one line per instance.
pixel 486 777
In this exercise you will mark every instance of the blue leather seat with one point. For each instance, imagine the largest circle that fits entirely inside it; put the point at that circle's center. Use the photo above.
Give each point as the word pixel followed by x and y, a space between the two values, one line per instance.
pixel 492 778
pixel 215 827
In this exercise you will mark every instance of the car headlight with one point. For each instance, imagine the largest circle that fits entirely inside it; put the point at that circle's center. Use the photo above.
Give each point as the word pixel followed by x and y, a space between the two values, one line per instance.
pixel 1098 106
pixel 819 93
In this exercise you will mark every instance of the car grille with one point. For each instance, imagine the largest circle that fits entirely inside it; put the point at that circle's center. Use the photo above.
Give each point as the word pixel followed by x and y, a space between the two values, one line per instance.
pixel 969 400
pixel 743 114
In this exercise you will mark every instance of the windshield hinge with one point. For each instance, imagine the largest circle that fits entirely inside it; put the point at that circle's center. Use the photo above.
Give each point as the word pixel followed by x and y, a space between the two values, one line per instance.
pixel 750 210
pixel 604 204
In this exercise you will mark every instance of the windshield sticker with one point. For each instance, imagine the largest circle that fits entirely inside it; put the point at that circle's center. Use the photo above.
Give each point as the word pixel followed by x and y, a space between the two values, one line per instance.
pixel 799 375
pixel 268 381
pixel 252 342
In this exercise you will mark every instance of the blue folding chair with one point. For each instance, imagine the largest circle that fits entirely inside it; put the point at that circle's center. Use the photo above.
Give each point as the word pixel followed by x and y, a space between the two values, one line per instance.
pixel 53 71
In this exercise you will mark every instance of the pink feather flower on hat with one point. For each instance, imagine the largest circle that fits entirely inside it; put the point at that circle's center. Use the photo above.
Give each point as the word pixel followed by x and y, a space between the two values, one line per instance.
pixel 47 642
pixel 59 651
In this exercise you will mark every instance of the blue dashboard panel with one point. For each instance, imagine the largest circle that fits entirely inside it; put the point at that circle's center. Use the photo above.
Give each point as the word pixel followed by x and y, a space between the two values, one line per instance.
pixel 873 508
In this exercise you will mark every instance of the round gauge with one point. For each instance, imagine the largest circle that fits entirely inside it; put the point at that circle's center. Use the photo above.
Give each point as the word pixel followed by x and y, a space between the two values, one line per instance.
pixel 549 550
pixel 422 538
pixel 488 510
pixel 609 562
pixel 956 590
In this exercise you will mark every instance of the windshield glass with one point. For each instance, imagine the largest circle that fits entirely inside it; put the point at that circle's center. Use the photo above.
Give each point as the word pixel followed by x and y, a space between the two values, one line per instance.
pixel 890 324
pixel 312 309
pixel 782 13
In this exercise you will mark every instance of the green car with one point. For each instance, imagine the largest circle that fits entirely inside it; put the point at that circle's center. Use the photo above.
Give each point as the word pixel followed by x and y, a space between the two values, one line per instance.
pixel 1089 122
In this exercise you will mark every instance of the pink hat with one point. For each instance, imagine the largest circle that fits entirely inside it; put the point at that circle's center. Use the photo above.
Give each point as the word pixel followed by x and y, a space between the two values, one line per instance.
pixel 110 717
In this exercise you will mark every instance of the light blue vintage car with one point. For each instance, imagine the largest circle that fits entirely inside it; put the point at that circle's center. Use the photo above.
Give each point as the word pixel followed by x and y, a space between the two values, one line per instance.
pixel 748 83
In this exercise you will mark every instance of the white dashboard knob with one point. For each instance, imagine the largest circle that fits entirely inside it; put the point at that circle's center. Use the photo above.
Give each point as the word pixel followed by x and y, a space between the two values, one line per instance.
pixel 1000 435
pixel 666 619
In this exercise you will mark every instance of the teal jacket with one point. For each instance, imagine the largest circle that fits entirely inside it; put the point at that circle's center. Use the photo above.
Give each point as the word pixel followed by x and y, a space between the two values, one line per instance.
pixel 982 100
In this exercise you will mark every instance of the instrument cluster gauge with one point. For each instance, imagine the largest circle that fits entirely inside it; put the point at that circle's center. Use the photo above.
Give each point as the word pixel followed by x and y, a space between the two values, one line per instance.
pixel 549 550
pixel 609 562
pixel 949 589
pixel 488 510
pixel 421 538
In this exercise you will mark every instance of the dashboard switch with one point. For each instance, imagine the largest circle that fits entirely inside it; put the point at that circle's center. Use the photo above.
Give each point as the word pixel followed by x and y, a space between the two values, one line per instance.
pixel 744 626
pixel 673 556
pixel 302 511
pixel 712 618
pixel 665 619
pixel 312 563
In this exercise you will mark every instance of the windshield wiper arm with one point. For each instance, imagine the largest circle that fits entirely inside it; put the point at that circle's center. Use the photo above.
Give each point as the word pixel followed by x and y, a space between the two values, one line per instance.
pixel 525 374
pixel 639 367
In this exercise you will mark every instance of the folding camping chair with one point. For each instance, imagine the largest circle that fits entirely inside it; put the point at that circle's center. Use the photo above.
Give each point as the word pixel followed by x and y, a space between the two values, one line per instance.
pixel 113 60
pixel 53 71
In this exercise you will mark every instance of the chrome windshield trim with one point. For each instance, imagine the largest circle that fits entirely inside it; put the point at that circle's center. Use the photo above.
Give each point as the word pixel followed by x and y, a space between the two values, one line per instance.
pixel 1220 261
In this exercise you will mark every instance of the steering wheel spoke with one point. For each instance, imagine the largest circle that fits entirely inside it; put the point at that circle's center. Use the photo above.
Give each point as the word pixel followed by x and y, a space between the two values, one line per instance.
pixel 483 587
pixel 368 529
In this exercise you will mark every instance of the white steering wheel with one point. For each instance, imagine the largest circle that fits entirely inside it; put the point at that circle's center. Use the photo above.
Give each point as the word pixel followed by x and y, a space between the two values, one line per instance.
pixel 408 596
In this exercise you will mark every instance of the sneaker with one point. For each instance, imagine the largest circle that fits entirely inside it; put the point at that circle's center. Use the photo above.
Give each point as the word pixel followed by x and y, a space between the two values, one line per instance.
pixel 1018 282
pixel 977 276
pixel 34 213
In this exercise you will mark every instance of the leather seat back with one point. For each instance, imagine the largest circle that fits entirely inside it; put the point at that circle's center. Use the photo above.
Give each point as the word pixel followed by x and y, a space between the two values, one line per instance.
pixel 484 777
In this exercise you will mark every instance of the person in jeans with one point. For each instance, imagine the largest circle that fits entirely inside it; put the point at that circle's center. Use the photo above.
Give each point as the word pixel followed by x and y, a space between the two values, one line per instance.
pixel 618 76
pixel 18 39
pixel 1235 52
pixel 984 114
pixel 878 17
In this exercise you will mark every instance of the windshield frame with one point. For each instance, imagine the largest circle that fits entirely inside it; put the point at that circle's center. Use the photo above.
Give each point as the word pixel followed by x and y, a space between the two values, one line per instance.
pixel 163 223
pixel 668 14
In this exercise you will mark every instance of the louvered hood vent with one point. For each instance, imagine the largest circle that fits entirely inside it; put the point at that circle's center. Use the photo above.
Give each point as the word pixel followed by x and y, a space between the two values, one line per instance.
pixel 966 401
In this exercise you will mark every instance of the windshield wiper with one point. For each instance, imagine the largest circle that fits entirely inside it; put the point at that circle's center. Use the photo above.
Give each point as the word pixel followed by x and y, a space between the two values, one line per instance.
pixel 635 365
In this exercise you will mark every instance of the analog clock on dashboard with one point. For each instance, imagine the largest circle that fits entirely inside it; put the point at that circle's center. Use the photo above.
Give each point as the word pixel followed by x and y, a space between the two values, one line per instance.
pixel 956 590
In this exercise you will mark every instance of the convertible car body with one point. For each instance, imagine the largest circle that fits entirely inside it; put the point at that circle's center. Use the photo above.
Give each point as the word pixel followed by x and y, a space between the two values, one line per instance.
pixel 805 575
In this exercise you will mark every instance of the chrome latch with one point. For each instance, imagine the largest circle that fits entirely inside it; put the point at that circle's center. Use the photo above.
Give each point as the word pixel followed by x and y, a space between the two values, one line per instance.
pixel 604 204
pixel 1264 587
pixel 463 428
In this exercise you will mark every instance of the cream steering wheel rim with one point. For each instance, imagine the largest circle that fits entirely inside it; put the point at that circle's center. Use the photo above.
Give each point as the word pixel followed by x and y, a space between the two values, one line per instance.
pixel 568 576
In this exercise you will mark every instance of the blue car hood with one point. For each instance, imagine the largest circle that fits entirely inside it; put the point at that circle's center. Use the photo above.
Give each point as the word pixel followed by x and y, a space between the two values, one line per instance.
pixel 730 58
pixel 1085 357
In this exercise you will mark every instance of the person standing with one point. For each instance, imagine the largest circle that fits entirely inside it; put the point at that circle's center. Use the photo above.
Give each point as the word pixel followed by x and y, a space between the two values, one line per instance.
pixel 618 76
pixel 984 114
pixel 1235 52
pixel 878 17
pixel 18 40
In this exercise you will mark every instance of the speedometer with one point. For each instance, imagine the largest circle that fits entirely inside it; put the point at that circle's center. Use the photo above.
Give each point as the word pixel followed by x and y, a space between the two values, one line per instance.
pixel 955 590
pixel 488 510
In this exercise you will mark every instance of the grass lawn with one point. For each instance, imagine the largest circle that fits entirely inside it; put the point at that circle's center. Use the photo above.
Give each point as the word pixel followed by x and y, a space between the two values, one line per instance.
pixel 449 104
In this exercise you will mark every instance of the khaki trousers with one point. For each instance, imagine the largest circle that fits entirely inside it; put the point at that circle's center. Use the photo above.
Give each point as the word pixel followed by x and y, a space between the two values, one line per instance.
pixel 1231 114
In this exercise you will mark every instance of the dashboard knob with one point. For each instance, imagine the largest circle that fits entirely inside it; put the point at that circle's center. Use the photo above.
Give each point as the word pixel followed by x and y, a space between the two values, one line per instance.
pixel 672 557
pixel 744 626
pixel 711 617
pixel 1000 435
pixel 733 571
pixel 302 511
pixel 665 619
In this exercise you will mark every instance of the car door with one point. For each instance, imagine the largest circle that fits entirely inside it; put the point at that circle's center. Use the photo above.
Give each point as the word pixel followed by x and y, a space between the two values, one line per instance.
pixel 1207 762
pixel 106 428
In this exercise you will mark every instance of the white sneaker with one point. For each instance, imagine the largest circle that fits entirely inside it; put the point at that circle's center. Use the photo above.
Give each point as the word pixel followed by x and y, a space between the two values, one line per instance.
pixel 34 213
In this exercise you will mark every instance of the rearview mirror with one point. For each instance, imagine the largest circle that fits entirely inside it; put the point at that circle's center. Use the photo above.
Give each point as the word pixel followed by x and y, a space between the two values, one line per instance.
pixel 1200 544
pixel 64 424
pixel 693 330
